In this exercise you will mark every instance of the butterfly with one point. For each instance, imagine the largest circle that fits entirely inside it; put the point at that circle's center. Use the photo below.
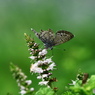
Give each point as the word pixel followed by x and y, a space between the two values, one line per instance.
pixel 50 39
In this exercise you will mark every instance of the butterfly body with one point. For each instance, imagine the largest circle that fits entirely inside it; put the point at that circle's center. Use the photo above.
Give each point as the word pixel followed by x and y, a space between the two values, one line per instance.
pixel 50 39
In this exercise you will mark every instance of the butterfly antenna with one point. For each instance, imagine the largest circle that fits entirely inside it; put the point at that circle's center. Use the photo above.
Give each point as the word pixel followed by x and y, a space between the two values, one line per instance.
pixel 33 30
pixel 36 33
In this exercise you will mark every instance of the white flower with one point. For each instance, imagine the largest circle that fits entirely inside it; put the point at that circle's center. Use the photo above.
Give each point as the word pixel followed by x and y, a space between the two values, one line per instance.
pixel 43 52
pixel 24 76
pixel 51 66
pixel 39 62
pixel 22 92
pixel 28 82
pixel 34 68
pixel 32 49
pixel 19 84
pixel 44 61
pixel 43 82
pixel 31 89
pixel 44 75
pixel 22 87
pixel 17 80
pixel 39 77
pixel 35 44
pixel 73 82
pixel 32 57
pixel 48 61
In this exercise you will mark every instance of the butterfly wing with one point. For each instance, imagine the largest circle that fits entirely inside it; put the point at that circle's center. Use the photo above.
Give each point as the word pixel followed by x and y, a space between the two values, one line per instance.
pixel 47 37
pixel 62 37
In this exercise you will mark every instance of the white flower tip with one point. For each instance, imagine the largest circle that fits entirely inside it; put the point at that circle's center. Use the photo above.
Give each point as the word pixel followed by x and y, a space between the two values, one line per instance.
pixel 28 82
pixel 51 66
pixel 32 57
pixel 22 92
pixel 31 89
pixel 44 75
pixel 22 87
pixel 39 77
pixel 73 82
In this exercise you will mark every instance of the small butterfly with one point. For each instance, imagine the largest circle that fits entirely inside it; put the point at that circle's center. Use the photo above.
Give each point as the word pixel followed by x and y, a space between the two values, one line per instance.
pixel 50 39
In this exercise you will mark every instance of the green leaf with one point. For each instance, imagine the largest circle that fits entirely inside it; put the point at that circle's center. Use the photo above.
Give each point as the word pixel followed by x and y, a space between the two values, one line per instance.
pixel 45 91
pixel 68 93
pixel 90 86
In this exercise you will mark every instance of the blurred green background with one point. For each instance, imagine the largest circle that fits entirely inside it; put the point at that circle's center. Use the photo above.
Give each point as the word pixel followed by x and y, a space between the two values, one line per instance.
pixel 18 16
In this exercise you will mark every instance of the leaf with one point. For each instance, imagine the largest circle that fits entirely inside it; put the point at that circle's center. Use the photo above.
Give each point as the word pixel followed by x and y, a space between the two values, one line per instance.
pixel 68 93
pixel 45 91
pixel 90 86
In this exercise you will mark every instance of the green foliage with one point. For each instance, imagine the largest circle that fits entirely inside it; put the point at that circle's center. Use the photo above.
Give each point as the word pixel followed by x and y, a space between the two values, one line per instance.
pixel 45 91
pixel 69 93
pixel 82 89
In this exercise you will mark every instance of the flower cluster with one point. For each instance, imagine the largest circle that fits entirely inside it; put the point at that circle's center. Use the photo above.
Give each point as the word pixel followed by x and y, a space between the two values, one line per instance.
pixel 20 77
pixel 41 65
